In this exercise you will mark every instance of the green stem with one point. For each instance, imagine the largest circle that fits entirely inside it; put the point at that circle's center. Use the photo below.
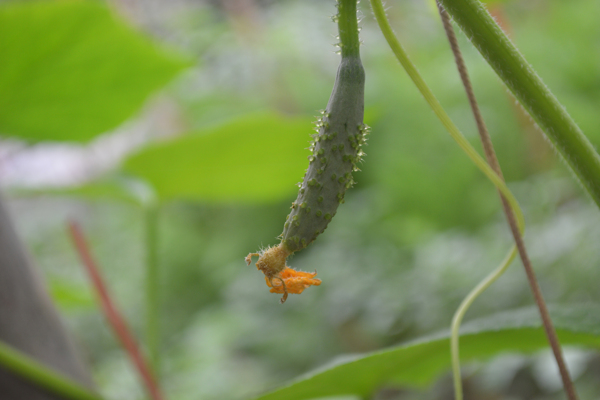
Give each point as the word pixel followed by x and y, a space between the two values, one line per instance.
pixel 460 313
pixel 411 70
pixel 520 246
pixel 435 105
pixel 529 89
pixel 348 28
pixel 28 368
pixel 152 287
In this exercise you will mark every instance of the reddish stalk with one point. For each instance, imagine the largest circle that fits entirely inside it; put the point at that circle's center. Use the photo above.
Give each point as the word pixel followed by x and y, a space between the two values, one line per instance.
pixel 116 321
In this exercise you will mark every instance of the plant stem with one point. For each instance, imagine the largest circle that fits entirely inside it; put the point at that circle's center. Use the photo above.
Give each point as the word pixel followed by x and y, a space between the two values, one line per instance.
pixel 460 313
pixel 151 213
pixel 30 369
pixel 529 89
pixel 493 161
pixel 348 28
pixel 114 317
pixel 474 156
pixel 464 144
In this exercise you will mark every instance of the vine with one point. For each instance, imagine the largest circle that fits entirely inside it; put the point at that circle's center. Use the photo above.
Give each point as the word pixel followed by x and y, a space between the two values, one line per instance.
pixel 511 208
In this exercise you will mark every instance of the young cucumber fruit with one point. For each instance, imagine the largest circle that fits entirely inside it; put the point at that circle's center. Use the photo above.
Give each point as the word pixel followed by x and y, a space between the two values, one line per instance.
pixel 336 152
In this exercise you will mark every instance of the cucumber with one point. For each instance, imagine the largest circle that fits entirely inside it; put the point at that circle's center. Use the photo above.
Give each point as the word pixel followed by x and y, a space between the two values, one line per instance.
pixel 336 152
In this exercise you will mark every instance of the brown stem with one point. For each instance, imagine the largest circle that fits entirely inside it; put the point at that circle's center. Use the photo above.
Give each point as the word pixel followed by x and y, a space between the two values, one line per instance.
pixel 510 216
pixel 112 314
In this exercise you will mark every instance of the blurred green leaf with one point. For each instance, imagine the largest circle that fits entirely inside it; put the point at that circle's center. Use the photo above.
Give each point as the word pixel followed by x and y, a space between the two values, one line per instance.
pixel 71 70
pixel 417 363
pixel 252 159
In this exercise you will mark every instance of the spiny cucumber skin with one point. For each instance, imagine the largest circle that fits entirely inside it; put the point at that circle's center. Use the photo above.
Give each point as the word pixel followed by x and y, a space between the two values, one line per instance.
pixel 336 151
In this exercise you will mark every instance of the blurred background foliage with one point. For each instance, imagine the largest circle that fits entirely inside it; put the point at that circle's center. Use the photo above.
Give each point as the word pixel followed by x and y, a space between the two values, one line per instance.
pixel 221 147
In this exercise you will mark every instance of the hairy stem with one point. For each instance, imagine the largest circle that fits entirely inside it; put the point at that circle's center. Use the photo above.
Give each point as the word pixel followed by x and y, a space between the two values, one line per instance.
pixel 529 89
pixel 493 161
pixel 348 28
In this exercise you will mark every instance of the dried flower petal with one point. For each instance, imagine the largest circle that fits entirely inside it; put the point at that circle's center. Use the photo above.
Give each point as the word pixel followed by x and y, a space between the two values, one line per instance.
pixel 279 277
pixel 295 281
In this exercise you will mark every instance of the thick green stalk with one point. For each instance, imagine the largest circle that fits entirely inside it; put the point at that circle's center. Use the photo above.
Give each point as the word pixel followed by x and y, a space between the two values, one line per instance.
pixel 152 287
pixel 529 89
pixel 30 369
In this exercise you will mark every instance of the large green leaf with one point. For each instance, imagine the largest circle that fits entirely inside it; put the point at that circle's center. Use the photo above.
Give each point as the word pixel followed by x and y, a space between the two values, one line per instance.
pixel 419 362
pixel 255 158
pixel 70 70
